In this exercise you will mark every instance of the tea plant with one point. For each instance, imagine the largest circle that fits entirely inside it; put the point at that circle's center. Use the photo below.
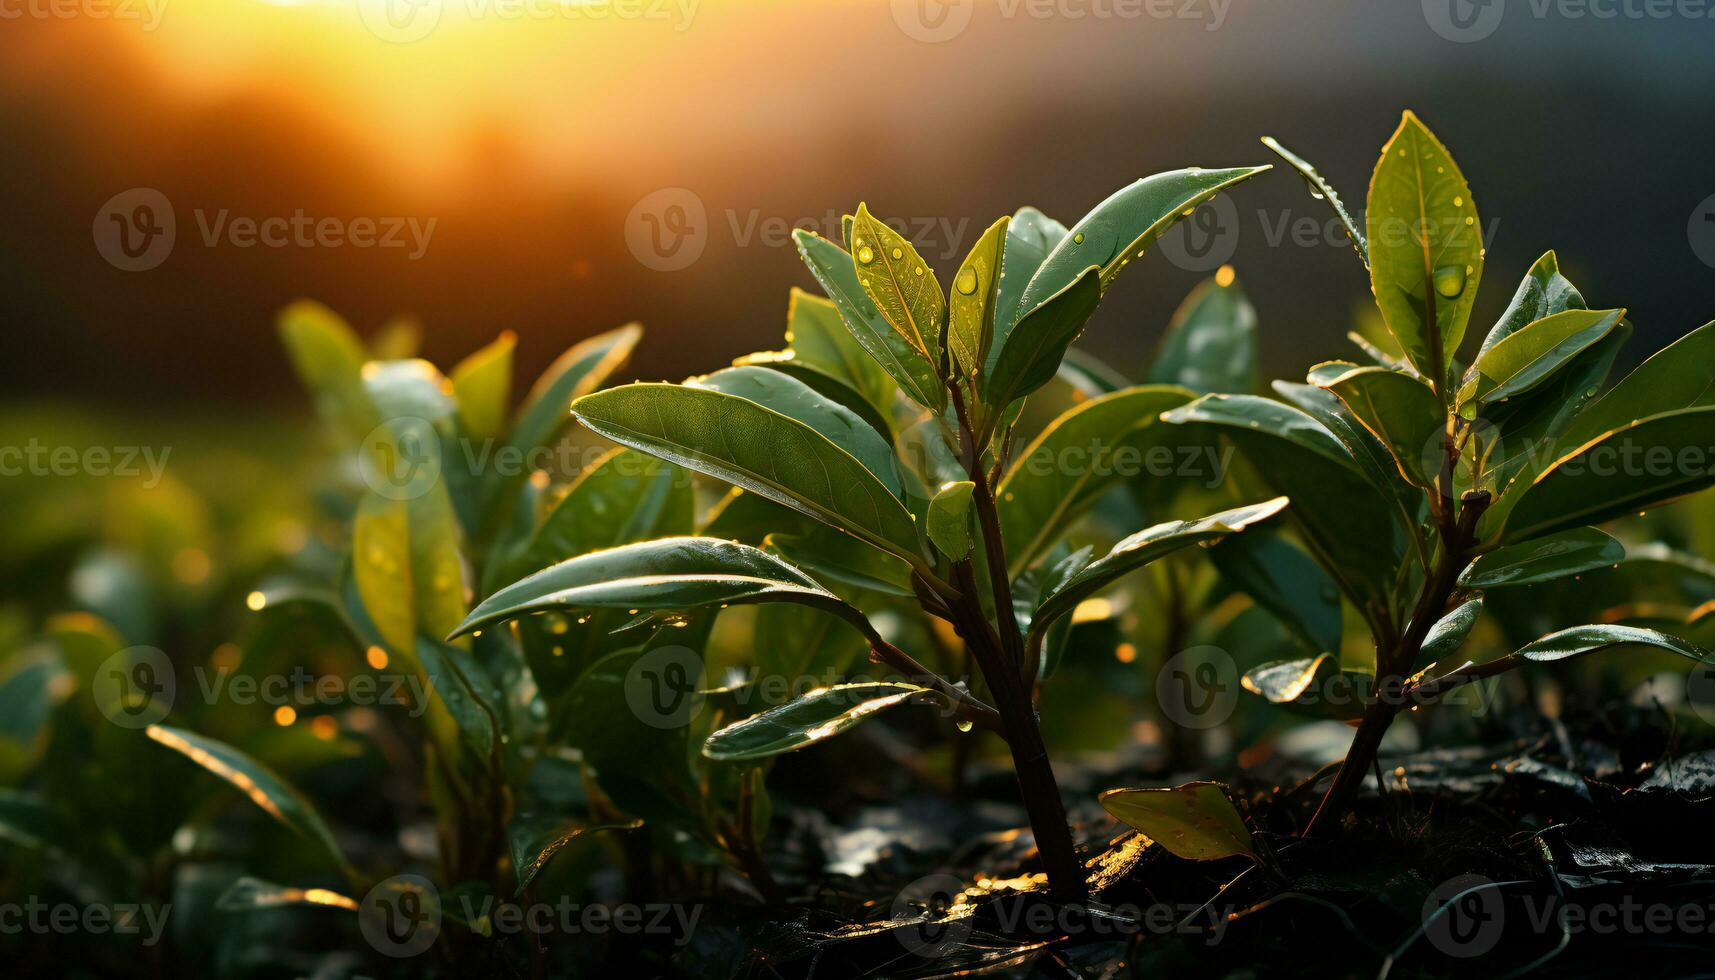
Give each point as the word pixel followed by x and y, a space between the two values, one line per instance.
pixel 925 500
pixel 1419 482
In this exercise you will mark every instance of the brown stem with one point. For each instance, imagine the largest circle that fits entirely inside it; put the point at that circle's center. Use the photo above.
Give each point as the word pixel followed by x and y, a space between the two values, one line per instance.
pixel 1393 665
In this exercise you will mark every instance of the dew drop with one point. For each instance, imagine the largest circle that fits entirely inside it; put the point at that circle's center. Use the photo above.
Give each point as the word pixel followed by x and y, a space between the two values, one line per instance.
pixel 965 726
pixel 1078 239
pixel 1449 281
pixel 896 253
pixel 967 282
pixel 866 254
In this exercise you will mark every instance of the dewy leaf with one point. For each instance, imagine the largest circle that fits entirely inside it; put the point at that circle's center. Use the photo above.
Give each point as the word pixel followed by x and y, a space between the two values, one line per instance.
pixel 899 283
pixel 1123 227
pixel 1314 686
pixel 1450 631
pixel 737 440
pixel 1346 520
pixel 1567 553
pixel 1030 236
pixel 818 340
pixel 1426 246
pixel 257 782
pixel 971 306
pixel 1073 462
pixel 482 386
pixel 1544 292
pixel 796 400
pixel 329 359
pixel 1195 821
pixel 1581 640
pixel 577 372
pixel 1210 345
pixel 1323 191
pixel 626 496
pixel 907 365
pixel 1033 350
pixel 666 574
pixel 949 521
pixel 1400 411
pixel 534 843
pixel 406 563
pixel 1639 466
pixel 1529 356
pixel 1138 550
pixel 1675 377
pixel 818 715
pixel 1286 582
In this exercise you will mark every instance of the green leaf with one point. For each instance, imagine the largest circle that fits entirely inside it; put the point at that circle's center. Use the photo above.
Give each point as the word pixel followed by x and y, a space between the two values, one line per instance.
pixel 818 341
pixel 737 440
pixel 258 783
pixel 666 574
pixel 407 568
pixel 1067 467
pixel 1323 191
pixel 329 359
pixel 1121 228
pixel 1371 457
pixel 1567 553
pixel 482 385
pixel 834 557
pixel 899 283
pixel 1425 245
pixel 1629 469
pixel 1286 582
pixel 626 496
pixel 1400 411
pixel 1543 293
pixel 1675 377
pixel 1032 352
pixel 1531 355
pixel 796 400
pixel 949 523
pixel 971 307
pixel 249 894
pixel 1138 550
pixel 629 715
pixel 1195 821
pixel 1345 519
pixel 819 715
pixel 577 372
pixel 534 842
pixel 1450 631
pixel 1210 345
pixel 910 367
pixel 1314 686
pixel 1581 640
pixel 1030 236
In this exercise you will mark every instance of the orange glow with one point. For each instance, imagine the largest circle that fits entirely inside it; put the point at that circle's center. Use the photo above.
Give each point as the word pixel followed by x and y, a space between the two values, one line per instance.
pixel 377 657
pixel 284 715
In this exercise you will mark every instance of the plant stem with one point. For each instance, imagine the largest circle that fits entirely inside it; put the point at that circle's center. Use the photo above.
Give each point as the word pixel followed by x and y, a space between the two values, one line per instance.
pixel 1000 663
pixel 1394 665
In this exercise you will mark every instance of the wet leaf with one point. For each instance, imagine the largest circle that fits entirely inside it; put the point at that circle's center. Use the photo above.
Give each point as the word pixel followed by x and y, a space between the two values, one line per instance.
pixel 1542 559
pixel 949 523
pixel 971 304
pixel 900 358
pixel 1195 821
pixel 899 283
pixel 816 716
pixel 1543 292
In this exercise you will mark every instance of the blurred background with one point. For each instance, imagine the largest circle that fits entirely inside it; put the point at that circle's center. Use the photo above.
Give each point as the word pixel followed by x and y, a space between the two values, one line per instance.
pixel 559 167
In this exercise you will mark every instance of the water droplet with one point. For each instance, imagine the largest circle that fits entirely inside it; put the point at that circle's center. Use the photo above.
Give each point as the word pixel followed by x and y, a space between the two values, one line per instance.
pixel 965 726
pixel 1458 201
pixel 1449 281
pixel 866 254
pixel 896 253
pixel 1078 239
pixel 967 282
